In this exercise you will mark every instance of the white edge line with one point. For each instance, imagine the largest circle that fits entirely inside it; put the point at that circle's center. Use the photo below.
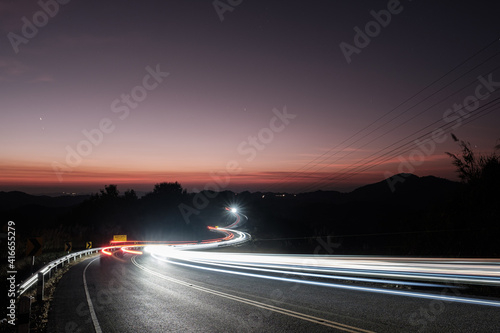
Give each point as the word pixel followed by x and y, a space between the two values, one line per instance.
pixel 93 315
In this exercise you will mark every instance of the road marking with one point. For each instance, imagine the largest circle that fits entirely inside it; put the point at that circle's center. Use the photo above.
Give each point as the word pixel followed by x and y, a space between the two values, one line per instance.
pixel 97 327
pixel 269 307
pixel 441 297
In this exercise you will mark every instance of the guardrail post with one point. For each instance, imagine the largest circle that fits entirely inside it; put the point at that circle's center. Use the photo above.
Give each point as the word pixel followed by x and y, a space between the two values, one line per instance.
pixel 40 288
pixel 23 321
pixel 54 265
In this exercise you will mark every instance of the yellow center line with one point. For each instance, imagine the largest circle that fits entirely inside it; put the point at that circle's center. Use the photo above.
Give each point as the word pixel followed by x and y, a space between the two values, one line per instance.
pixel 269 307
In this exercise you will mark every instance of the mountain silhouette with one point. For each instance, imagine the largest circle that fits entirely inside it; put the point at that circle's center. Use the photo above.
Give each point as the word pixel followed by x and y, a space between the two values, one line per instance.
pixel 17 199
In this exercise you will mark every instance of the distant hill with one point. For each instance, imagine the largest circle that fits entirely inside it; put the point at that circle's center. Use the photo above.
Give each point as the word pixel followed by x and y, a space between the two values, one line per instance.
pixel 405 214
pixel 408 189
pixel 405 187
pixel 15 199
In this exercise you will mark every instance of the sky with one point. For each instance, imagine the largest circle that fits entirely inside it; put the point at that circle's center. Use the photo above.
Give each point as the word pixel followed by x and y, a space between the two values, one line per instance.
pixel 242 95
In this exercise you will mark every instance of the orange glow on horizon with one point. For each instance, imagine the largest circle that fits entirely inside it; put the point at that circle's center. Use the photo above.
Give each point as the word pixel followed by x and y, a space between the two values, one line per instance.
pixel 15 177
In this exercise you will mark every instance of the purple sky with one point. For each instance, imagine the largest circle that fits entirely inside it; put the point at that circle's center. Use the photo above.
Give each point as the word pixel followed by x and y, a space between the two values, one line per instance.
pixel 265 97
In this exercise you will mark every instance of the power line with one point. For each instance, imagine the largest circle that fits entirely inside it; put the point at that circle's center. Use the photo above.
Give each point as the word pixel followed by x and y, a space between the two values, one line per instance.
pixel 309 165
pixel 415 116
pixel 435 122
pixel 448 126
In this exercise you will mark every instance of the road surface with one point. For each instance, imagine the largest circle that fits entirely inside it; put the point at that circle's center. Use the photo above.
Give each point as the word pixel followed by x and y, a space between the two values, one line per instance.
pixel 129 293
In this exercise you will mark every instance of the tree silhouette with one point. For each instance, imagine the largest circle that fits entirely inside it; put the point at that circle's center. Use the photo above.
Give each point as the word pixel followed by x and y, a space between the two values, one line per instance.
pixel 110 191
pixel 476 208
pixel 130 195
pixel 476 170
pixel 168 189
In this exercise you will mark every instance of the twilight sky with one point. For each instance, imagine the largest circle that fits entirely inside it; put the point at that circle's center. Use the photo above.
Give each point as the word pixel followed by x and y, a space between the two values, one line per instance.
pixel 246 95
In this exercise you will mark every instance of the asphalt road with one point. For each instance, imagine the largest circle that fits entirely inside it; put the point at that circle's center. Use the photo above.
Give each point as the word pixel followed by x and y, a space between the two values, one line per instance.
pixel 141 294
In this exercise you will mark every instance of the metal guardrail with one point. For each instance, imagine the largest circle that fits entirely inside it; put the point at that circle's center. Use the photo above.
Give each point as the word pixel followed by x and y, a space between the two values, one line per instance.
pixel 47 269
